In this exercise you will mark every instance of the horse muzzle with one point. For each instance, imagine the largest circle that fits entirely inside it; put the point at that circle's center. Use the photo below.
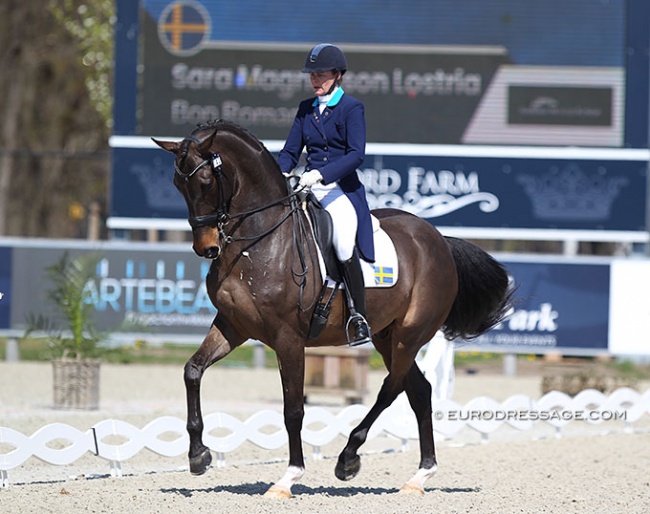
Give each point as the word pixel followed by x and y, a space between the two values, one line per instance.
pixel 206 243
pixel 208 252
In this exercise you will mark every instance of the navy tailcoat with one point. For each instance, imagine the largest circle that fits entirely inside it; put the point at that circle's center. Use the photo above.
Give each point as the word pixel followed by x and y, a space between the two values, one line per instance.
pixel 336 145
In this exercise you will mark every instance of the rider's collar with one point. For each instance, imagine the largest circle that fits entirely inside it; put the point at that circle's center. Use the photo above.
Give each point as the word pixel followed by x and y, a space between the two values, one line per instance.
pixel 335 98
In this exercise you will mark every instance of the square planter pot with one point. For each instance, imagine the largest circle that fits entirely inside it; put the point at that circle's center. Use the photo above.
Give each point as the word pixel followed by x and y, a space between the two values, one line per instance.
pixel 76 383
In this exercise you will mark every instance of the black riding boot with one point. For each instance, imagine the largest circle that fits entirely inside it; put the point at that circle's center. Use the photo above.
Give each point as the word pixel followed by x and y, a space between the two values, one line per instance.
pixel 355 293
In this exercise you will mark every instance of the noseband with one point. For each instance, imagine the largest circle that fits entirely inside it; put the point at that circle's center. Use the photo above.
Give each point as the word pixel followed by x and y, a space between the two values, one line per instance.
pixel 217 169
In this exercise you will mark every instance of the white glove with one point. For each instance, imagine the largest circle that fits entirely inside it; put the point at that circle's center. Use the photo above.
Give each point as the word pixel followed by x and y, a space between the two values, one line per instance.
pixel 309 178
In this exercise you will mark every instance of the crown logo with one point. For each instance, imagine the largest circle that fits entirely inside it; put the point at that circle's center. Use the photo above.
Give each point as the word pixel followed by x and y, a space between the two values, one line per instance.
pixel 158 186
pixel 571 194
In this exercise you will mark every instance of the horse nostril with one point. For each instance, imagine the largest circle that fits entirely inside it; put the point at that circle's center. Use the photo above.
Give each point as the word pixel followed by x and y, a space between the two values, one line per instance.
pixel 207 252
pixel 212 252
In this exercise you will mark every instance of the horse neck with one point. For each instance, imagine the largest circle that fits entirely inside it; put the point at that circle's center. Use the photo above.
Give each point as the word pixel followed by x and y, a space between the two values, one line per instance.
pixel 255 176
pixel 258 182
pixel 258 200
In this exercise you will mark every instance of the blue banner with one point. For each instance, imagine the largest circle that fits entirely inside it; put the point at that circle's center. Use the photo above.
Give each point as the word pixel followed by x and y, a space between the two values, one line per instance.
pixel 5 286
pixel 557 306
pixel 444 79
pixel 511 192
pixel 159 290
pixel 136 288
pixel 142 185
pixel 591 32
pixel 494 192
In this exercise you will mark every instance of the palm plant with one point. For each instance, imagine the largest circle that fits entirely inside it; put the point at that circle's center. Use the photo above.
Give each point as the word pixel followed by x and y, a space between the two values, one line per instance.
pixel 72 333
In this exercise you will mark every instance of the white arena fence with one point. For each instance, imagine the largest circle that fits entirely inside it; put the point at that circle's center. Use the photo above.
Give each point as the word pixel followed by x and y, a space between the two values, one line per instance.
pixel 266 428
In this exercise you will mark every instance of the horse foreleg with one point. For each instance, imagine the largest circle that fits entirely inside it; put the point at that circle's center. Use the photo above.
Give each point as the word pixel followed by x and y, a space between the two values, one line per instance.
pixel 215 346
pixel 418 391
pixel 292 374
pixel 349 462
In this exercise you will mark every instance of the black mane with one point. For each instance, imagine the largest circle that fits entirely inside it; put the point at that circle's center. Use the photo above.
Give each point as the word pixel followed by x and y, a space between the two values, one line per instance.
pixel 232 127
pixel 238 131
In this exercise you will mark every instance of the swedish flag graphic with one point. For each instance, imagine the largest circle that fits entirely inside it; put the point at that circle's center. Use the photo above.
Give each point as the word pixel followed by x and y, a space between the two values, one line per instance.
pixel 183 26
pixel 384 275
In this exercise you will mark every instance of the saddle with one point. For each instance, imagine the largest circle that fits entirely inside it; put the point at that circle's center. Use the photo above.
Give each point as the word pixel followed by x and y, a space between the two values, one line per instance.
pixel 322 226
pixel 380 274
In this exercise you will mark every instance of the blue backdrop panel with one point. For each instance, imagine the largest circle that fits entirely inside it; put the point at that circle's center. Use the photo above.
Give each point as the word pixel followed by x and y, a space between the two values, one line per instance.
pixel 563 306
pixel 512 193
pixel 5 286
pixel 142 184
pixel 446 191
pixel 587 32
pixel 159 290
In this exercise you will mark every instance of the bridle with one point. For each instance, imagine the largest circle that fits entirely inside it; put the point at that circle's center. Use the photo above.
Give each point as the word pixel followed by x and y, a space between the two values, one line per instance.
pixel 221 216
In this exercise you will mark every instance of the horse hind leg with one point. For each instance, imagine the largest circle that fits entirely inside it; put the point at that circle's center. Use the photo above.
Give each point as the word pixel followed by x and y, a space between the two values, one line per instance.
pixel 418 392
pixel 404 375
pixel 416 484
pixel 349 462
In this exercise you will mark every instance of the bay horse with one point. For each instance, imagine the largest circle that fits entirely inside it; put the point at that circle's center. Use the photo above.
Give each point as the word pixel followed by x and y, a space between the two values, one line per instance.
pixel 264 281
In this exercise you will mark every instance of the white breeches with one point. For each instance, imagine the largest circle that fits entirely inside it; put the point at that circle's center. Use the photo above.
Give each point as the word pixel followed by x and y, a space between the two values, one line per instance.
pixel 344 218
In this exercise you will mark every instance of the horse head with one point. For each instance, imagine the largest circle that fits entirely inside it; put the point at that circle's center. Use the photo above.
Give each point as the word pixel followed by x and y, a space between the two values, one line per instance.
pixel 219 166
pixel 197 182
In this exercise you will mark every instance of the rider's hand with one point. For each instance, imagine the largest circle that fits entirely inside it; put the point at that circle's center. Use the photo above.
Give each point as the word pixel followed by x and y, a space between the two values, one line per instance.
pixel 309 178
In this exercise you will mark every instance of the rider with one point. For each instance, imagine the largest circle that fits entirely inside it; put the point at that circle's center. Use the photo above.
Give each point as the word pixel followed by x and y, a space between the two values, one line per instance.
pixel 333 128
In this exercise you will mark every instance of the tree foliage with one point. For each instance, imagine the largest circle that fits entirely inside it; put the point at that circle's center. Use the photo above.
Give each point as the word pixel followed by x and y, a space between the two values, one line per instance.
pixel 91 24
pixel 54 135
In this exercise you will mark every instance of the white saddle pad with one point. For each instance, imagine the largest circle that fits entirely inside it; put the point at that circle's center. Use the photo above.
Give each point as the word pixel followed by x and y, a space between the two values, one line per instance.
pixel 384 271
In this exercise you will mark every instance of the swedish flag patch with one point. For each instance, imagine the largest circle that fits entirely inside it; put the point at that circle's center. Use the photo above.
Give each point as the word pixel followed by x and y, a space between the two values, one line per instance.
pixel 384 275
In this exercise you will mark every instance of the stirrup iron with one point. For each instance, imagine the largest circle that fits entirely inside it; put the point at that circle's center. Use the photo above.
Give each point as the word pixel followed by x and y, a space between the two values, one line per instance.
pixel 357 319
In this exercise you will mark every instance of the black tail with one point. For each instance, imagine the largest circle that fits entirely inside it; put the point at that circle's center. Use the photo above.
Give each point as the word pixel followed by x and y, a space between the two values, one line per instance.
pixel 484 295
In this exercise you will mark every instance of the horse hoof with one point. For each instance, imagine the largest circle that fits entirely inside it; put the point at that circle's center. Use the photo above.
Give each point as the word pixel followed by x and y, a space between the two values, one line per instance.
pixel 278 492
pixel 347 471
pixel 412 490
pixel 201 463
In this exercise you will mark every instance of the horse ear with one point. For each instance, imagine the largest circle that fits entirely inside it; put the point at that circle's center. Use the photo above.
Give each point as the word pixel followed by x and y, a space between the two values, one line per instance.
pixel 170 146
pixel 206 145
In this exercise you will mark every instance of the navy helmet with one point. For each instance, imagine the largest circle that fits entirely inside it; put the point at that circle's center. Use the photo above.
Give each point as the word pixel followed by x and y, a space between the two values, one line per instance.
pixel 325 57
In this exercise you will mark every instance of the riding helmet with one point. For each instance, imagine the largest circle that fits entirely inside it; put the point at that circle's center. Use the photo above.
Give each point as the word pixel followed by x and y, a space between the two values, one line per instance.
pixel 325 57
